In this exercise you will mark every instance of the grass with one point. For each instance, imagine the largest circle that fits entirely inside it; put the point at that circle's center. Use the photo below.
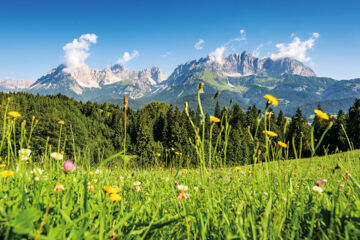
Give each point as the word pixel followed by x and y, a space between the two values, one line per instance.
pixel 43 198
pixel 230 204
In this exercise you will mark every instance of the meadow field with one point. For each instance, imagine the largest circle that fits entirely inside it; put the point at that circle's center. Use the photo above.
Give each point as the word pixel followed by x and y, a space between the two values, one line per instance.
pixel 315 198
pixel 51 197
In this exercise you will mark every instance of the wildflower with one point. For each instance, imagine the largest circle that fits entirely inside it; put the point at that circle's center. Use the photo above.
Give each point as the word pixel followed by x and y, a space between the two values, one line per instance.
pixel 266 194
pixel 270 133
pixel 258 152
pixel 24 154
pixel 121 178
pixel 137 169
pixel 91 173
pixel 61 122
pixel 97 171
pixel 36 179
pixel 184 171
pixel 294 174
pixel 321 114
pixel 172 149
pixel 126 101
pixel 324 180
pixel 68 166
pixel 319 183
pixel 14 114
pixel 57 156
pixel 177 153
pixel 112 236
pixel 249 172
pixel 271 99
pixel 317 189
pixel 36 172
pixel 196 189
pixel 347 176
pixel 94 180
pixel 238 168
pixel 342 185
pixel 176 183
pixel 282 144
pixel 90 188
pixel 137 186
pixel 183 189
pixel 201 86
pixel 214 119
pixel 2 165
pixel 111 189
pixel 6 173
pixel 158 154
pixel 59 187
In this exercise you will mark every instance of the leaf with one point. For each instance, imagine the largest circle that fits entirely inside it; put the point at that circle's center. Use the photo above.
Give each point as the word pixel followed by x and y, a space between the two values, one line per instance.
pixel 24 221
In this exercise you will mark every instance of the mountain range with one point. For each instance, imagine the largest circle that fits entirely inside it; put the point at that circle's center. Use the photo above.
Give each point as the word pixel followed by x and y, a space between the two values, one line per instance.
pixel 242 77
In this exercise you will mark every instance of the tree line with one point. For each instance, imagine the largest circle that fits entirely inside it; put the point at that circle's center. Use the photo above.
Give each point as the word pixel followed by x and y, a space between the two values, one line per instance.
pixel 161 134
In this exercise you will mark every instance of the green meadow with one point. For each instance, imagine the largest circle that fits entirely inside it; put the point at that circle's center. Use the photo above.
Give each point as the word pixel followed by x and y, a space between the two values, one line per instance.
pixel 45 197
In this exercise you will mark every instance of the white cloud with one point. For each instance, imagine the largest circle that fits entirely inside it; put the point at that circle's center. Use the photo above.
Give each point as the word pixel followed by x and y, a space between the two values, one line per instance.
pixel 198 45
pixel 296 48
pixel 256 52
pixel 77 51
pixel 217 55
pixel 167 54
pixel 127 57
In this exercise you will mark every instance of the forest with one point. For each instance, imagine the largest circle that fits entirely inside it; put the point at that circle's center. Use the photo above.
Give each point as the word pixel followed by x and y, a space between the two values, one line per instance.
pixel 160 134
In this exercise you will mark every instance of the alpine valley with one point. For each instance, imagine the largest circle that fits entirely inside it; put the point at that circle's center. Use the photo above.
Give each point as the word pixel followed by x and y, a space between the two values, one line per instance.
pixel 242 77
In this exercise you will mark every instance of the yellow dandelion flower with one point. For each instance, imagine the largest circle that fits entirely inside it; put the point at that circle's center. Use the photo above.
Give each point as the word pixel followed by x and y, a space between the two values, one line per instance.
pixel 61 122
pixel 214 119
pixel 238 168
pixel 271 99
pixel 321 114
pixel 172 149
pixel 249 172
pixel 158 154
pixel 14 114
pixel 270 133
pixel 294 173
pixel 282 144
pixel 91 173
pixel 114 197
pixel 3 165
pixel 111 189
pixel 7 173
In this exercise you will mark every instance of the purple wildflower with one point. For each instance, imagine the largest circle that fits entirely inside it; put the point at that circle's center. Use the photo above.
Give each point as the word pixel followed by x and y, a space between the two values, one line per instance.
pixel 347 176
pixel 319 183
pixel 68 166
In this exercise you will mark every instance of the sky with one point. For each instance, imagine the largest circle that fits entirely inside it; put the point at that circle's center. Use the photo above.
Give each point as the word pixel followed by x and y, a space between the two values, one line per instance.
pixel 36 36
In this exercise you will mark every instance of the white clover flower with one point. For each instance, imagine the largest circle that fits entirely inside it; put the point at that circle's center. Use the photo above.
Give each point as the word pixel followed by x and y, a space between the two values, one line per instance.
pixel 182 188
pixel 98 171
pixel 24 154
pixel 137 183
pixel 121 178
pixel 317 189
pixel 57 156
pixel 36 172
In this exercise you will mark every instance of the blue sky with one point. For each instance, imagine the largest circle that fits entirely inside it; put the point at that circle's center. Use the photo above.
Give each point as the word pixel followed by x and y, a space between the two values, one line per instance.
pixel 326 34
